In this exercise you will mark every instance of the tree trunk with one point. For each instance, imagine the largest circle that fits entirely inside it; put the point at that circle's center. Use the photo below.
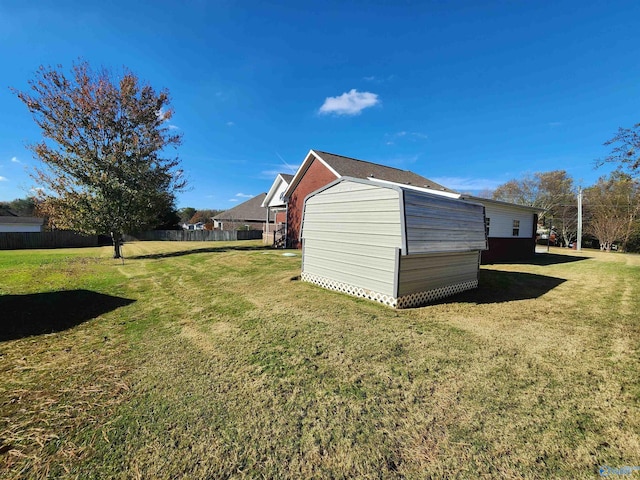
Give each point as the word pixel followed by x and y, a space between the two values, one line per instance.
pixel 117 243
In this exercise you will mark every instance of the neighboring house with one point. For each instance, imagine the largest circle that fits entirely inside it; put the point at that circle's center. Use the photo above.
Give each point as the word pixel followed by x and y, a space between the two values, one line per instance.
pixel 10 222
pixel 321 168
pixel 511 230
pixel 276 217
pixel 193 226
pixel 250 215
pixel 429 246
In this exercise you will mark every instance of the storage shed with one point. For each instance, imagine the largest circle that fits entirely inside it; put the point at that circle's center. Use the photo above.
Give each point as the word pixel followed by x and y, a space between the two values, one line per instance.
pixel 391 243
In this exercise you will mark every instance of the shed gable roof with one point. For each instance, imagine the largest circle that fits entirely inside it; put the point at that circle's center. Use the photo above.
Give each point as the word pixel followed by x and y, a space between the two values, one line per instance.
pixel 342 166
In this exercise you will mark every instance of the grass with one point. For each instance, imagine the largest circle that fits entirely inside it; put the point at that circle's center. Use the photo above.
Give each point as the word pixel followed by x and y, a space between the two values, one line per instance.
pixel 200 362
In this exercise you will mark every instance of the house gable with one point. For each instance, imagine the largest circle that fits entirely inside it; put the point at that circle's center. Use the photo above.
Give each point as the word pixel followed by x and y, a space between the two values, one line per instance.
pixel 320 168
pixel 275 195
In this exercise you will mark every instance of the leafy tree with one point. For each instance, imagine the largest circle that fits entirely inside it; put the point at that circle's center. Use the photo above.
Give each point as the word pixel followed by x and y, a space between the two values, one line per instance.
pixel 24 207
pixel 103 153
pixel 169 220
pixel 186 213
pixel 626 150
pixel 613 209
pixel 205 216
pixel 520 192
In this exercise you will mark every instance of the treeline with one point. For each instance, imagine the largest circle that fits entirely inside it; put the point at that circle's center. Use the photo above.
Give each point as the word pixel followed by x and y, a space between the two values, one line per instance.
pixel 610 208
pixel 23 207
pixel 192 215
pixel 169 219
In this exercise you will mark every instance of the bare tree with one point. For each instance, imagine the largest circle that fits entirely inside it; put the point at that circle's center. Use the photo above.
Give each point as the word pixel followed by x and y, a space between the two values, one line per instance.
pixel 626 150
pixel 613 206
pixel 553 192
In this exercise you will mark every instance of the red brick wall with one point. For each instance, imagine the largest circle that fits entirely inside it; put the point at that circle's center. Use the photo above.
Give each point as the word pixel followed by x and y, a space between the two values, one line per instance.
pixel 281 217
pixel 315 177
pixel 503 250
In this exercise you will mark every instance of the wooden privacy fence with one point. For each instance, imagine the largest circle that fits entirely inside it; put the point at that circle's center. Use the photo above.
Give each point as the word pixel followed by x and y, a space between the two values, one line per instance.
pixel 196 235
pixel 56 239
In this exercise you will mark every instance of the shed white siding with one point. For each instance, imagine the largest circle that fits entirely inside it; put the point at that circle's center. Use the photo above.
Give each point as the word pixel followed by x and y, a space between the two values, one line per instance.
pixel 420 273
pixel 351 235
pixel 501 221
pixel 390 243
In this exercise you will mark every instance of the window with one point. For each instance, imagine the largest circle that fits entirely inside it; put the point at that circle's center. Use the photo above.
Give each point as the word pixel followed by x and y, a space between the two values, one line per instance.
pixel 516 228
pixel 487 224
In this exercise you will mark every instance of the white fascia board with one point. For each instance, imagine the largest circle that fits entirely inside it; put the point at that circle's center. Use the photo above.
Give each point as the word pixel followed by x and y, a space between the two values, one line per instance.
pixel 270 200
pixel 418 189
pixel 311 156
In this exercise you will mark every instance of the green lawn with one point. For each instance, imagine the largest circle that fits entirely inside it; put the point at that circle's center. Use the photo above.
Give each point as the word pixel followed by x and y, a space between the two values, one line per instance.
pixel 212 360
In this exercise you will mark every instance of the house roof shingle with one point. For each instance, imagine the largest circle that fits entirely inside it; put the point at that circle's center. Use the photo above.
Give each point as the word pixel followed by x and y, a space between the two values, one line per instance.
pixel 352 167
pixel 251 210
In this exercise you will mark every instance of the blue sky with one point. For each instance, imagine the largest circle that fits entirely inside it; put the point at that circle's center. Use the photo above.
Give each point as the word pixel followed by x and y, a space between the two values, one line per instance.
pixel 470 94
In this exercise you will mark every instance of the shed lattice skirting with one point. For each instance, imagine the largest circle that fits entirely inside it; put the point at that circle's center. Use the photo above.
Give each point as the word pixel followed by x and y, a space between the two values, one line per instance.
pixel 405 301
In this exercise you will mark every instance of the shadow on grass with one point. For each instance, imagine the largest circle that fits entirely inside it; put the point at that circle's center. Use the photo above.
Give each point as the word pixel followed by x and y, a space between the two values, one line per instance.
pixel 40 313
pixel 543 259
pixel 498 286
pixel 182 253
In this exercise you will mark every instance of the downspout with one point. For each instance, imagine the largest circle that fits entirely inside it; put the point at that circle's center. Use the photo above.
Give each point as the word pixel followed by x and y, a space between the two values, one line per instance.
pixel 266 238
pixel 286 225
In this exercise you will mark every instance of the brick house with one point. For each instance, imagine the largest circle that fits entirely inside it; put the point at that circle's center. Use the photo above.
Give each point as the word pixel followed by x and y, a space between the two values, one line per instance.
pixel 321 168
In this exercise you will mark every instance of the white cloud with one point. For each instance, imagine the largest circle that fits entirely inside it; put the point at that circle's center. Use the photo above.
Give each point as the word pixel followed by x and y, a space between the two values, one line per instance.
pixel 244 195
pixel 467 184
pixel 15 160
pixel 230 124
pixel 233 199
pixel 408 135
pixel 3 179
pixel 174 127
pixel 351 103
pixel 379 80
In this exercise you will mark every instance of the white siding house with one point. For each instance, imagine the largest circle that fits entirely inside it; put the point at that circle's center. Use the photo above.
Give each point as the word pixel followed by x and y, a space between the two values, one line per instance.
pixel 511 230
pixel 390 243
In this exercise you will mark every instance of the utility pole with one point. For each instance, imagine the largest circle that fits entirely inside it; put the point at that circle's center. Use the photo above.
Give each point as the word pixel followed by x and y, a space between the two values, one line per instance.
pixel 579 239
